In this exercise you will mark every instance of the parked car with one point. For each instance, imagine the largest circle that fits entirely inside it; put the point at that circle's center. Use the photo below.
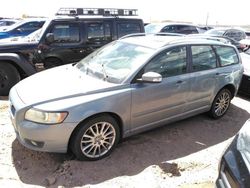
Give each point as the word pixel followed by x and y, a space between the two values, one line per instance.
pixel 233 33
pixel 67 38
pixel 129 86
pixel 21 28
pixel 234 166
pixel 240 46
pixel 8 22
pixel 166 27
pixel 245 82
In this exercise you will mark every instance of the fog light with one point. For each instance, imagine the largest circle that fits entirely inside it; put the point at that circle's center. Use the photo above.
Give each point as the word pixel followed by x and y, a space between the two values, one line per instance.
pixel 34 143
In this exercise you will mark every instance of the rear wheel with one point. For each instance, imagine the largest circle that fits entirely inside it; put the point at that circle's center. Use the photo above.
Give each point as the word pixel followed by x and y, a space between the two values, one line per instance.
pixel 220 104
pixel 96 138
pixel 9 76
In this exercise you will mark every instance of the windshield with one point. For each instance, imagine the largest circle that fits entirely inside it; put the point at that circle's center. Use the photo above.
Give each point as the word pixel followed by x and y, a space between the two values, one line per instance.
pixel 36 35
pixel 114 62
pixel 153 28
pixel 215 32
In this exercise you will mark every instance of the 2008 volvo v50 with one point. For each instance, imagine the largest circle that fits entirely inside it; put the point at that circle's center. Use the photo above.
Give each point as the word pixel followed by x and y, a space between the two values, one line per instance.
pixel 128 86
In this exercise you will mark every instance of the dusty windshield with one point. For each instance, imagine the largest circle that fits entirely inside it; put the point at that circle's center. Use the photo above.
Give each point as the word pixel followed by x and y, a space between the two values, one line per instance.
pixel 114 62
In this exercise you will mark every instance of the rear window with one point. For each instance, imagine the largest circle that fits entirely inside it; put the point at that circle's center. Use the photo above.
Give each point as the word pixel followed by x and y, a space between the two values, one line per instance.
pixel 227 55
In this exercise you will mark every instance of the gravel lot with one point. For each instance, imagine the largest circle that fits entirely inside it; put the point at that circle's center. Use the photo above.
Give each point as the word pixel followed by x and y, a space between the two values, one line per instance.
pixel 183 154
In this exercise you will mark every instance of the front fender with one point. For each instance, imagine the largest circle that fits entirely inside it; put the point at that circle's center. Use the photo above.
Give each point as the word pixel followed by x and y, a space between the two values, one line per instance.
pixel 18 61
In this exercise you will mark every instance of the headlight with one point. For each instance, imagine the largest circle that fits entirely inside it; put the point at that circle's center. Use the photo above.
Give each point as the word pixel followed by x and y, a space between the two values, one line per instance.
pixel 45 117
pixel 243 142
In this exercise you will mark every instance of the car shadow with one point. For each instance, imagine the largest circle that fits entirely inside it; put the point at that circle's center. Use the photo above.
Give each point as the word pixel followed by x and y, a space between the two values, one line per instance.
pixel 131 156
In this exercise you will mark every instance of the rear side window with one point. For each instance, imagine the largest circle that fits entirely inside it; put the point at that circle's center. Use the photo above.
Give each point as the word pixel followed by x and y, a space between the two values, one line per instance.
pixel 128 28
pixel 99 32
pixel 203 58
pixel 227 55
pixel 66 33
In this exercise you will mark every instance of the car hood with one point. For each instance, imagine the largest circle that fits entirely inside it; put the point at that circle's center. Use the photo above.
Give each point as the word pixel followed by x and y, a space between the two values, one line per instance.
pixel 58 83
pixel 13 46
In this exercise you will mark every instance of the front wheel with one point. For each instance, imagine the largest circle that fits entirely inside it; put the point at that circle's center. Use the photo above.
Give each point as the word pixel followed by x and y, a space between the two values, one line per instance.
pixel 220 104
pixel 96 138
pixel 9 76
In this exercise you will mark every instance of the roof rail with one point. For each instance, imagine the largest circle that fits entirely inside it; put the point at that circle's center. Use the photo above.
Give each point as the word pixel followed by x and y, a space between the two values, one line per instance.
pixel 156 34
pixel 133 35
pixel 96 11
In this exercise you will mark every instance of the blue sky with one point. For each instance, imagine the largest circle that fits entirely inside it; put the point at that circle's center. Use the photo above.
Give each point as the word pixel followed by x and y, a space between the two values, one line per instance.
pixel 196 11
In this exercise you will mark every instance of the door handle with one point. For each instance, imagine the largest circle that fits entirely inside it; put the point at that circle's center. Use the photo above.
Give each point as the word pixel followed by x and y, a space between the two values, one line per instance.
pixel 222 73
pixel 179 82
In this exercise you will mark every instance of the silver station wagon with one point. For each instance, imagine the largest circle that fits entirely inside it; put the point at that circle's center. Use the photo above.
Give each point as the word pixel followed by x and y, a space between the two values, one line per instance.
pixel 126 87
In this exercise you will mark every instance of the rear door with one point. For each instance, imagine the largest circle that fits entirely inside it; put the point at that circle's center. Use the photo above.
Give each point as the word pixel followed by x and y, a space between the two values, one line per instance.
pixel 98 33
pixel 203 77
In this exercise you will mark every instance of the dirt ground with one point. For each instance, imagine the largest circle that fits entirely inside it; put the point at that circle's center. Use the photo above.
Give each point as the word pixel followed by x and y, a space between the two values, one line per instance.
pixel 183 154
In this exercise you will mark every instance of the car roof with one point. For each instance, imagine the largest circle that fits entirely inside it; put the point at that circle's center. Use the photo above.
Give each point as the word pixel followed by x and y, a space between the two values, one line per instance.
pixel 158 41
pixel 163 24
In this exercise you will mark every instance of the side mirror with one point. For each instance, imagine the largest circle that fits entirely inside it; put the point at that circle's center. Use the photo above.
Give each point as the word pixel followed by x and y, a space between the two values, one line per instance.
pixel 49 38
pixel 151 77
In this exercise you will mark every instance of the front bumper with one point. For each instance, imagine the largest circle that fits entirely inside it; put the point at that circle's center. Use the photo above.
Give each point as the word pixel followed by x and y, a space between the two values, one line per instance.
pixel 233 172
pixel 35 136
pixel 245 84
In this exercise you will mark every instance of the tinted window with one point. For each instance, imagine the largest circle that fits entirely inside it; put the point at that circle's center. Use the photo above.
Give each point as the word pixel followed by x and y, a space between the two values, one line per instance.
pixel 203 58
pixel 99 32
pixel 128 28
pixel 66 33
pixel 185 29
pixel 169 63
pixel 227 55
pixel 235 34
pixel 169 29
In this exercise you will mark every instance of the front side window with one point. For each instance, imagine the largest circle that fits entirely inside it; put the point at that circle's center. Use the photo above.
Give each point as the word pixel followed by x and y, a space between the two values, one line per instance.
pixel 128 28
pixel 99 32
pixel 169 29
pixel 203 58
pixel 169 63
pixel 66 33
pixel 227 55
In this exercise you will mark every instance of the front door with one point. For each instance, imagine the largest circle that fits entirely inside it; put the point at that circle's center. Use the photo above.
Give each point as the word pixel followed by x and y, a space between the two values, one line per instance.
pixel 155 103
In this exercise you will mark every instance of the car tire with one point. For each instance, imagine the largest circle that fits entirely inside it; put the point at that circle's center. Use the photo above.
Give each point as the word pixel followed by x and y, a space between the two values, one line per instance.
pixel 9 76
pixel 220 104
pixel 95 138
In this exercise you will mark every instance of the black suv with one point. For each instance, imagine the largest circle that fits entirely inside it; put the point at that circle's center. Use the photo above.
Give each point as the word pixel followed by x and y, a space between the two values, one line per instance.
pixel 72 35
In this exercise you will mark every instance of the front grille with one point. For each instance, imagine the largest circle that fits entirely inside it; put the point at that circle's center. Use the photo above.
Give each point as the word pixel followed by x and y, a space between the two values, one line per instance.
pixel 245 84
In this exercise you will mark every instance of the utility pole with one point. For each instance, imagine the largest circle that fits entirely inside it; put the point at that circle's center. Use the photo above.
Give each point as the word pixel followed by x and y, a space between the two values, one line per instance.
pixel 207 18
